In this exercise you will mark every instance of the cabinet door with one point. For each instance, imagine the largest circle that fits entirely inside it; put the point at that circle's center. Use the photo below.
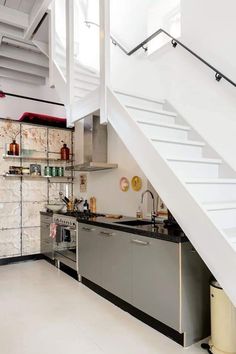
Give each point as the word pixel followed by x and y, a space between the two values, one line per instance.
pixel 156 278
pixel 116 262
pixel 46 242
pixel 89 253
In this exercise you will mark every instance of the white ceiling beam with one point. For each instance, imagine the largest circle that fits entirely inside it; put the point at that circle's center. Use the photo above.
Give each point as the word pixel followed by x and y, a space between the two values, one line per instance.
pixel 23 67
pixel 18 76
pixel 23 55
pixel 37 12
pixel 13 17
pixel 11 31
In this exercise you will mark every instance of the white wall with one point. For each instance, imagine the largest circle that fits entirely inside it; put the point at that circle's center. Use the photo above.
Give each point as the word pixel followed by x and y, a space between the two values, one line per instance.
pixel 129 21
pixel 210 107
pixel 104 185
pixel 12 107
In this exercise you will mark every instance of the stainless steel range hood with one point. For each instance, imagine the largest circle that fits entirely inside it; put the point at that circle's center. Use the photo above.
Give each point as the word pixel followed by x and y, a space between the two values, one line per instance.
pixel 92 152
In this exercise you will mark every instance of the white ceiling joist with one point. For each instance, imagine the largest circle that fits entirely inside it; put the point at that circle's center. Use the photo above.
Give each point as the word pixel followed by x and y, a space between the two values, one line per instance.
pixel 14 17
pixel 16 75
pixel 39 9
pixel 23 67
pixel 11 31
pixel 23 55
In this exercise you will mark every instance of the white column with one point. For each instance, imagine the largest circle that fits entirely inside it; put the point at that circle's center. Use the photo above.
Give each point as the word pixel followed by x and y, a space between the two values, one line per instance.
pixel 52 30
pixel 69 56
pixel 104 57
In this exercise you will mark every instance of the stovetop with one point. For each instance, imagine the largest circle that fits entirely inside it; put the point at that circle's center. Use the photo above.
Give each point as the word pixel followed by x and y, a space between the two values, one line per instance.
pixel 81 214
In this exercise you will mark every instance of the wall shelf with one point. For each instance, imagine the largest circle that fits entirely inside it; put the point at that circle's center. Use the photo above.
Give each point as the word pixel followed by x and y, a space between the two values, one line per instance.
pixel 8 175
pixel 32 158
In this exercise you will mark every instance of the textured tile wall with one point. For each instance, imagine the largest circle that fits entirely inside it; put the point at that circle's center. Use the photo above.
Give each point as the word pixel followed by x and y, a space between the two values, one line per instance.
pixel 22 201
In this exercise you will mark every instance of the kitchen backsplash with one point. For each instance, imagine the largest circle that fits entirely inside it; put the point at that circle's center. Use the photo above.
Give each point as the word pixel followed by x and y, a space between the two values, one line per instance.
pixel 21 199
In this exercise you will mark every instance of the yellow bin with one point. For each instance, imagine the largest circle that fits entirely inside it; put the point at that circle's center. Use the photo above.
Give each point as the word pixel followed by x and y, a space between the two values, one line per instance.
pixel 223 321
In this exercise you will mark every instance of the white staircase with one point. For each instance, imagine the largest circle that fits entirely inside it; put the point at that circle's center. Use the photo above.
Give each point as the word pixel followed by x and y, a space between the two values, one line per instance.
pixel 28 59
pixel 198 187
pixel 194 182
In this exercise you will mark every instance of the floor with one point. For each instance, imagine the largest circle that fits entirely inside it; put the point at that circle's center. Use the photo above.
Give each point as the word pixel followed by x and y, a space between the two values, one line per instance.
pixel 45 311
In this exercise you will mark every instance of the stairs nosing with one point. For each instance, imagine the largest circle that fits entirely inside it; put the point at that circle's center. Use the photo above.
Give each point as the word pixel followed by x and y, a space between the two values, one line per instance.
pixel 144 98
pixel 155 111
pixel 211 181
pixel 165 125
pixel 220 206
pixel 197 160
pixel 180 142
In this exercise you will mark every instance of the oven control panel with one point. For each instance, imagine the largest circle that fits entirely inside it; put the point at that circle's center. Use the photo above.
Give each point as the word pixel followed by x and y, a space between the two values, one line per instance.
pixel 64 220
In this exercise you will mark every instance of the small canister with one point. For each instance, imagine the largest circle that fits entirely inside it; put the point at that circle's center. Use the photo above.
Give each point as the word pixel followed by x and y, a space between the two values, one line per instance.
pixel 54 171
pixel 60 171
pixel 47 171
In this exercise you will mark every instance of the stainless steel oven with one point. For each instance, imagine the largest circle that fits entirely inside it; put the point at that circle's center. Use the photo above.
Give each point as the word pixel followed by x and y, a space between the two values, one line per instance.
pixel 65 244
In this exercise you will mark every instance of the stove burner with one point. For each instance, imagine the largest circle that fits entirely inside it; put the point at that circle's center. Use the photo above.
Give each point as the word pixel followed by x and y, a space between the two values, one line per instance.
pixel 81 214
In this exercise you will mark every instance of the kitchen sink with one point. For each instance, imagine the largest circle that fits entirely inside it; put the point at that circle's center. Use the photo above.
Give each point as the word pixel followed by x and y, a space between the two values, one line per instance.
pixel 134 222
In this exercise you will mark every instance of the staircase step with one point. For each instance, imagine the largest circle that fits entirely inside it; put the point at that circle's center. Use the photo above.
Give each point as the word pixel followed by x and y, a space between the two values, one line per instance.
pixel 139 101
pixel 144 98
pixel 211 180
pixel 197 160
pixel 180 142
pixel 231 234
pixel 187 168
pixel 219 206
pixel 151 115
pixel 155 111
pixel 176 149
pixel 213 190
pixel 224 216
pixel 164 125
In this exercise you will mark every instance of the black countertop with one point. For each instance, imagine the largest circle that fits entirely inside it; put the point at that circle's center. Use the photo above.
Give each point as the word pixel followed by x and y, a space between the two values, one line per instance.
pixel 171 234
pixel 160 231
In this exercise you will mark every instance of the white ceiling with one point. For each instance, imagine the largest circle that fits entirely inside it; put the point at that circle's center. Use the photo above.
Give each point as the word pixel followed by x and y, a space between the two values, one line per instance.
pixel 20 5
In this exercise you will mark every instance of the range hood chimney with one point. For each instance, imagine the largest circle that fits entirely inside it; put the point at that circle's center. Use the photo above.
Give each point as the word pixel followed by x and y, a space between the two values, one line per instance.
pixel 93 146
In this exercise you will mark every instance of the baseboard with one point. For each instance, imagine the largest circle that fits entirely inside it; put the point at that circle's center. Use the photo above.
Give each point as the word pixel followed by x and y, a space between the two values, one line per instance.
pixel 142 316
pixel 32 257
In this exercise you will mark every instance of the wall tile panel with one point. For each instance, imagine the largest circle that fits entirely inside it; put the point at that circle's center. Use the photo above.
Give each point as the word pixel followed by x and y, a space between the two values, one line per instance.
pixel 10 243
pixel 30 240
pixel 8 131
pixel 31 213
pixel 10 190
pixel 34 190
pixel 55 138
pixel 10 215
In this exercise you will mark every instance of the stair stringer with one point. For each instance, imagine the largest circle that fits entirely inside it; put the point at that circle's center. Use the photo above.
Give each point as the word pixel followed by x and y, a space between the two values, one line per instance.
pixel 205 236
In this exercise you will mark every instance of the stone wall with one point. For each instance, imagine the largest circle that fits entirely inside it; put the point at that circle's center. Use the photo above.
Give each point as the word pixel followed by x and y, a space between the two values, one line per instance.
pixel 21 199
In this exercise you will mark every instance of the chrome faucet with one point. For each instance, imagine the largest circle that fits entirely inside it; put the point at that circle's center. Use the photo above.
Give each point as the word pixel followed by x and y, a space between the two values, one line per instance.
pixel 153 205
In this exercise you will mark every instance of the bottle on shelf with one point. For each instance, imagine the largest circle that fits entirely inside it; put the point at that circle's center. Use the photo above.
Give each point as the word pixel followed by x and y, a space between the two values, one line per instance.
pixel 14 148
pixel 65 152
pixel 93 206
pixel 86 206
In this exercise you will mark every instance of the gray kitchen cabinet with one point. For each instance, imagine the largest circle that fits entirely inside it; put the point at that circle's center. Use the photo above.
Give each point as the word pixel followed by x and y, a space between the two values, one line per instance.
pixel 89 253
pixel 155 279
pixel 116 264
pixel 195 297
pixel 166 280
pixel 46 242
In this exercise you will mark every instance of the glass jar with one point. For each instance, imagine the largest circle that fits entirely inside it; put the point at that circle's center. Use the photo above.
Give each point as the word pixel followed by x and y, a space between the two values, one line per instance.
pixel 65 152
pixel 14 148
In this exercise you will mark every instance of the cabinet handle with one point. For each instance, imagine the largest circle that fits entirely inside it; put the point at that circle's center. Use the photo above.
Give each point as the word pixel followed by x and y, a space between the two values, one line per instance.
pixel 108 234
pixel 87 229
pixel 142 243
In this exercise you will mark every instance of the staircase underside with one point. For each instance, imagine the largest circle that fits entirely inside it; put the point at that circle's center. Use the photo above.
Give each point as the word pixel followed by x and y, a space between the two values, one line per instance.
pixel 192 184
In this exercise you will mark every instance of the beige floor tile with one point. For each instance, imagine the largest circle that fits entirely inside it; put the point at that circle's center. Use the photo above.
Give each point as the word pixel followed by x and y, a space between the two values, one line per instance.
pixel 45 311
